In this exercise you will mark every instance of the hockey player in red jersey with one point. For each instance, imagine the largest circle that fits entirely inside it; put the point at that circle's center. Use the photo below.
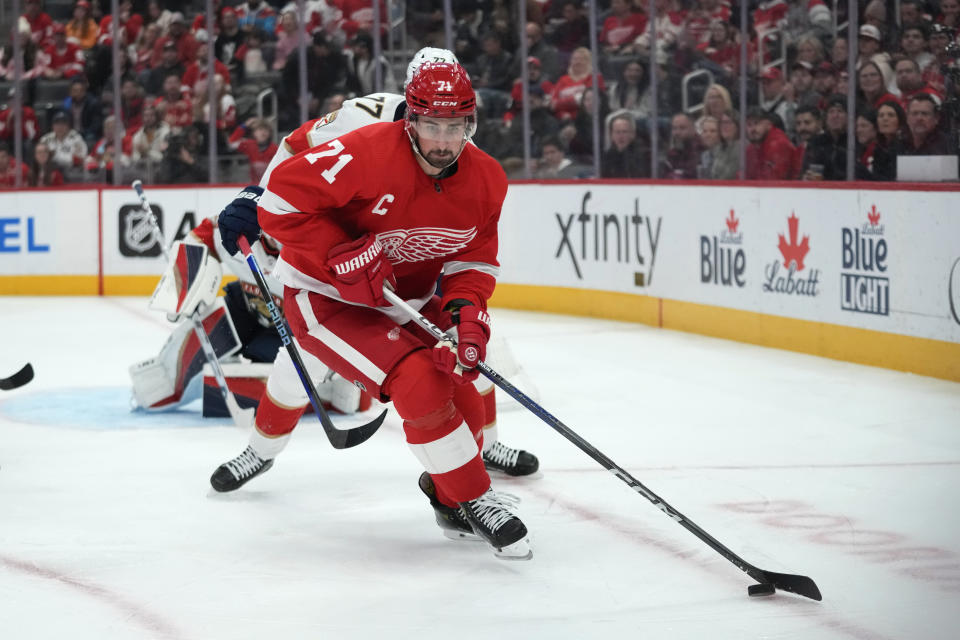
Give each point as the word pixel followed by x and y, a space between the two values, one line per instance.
pixel 399 204
pixel 273 424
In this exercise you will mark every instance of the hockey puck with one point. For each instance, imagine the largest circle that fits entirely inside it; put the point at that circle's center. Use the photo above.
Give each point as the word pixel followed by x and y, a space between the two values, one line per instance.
pixel 761 589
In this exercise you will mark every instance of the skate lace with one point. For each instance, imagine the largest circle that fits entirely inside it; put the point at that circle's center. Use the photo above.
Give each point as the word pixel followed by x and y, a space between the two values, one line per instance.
pixel 245 464
pixel 503 455
pixel 491 510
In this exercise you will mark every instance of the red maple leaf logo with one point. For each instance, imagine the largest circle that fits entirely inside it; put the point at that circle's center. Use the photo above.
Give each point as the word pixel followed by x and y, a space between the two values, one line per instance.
pixel 873 215
pixel 794 252
pixel 732 222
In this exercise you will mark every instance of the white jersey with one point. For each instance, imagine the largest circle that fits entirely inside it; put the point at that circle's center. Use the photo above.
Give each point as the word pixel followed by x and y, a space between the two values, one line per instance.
pixel 355 113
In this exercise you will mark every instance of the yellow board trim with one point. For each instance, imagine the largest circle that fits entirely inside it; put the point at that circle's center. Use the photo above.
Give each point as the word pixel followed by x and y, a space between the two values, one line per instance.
pixel 24 285
pixel 864 346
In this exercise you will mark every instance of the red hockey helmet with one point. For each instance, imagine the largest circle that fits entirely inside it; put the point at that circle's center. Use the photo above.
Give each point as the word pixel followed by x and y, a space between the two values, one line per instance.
pixel 441 90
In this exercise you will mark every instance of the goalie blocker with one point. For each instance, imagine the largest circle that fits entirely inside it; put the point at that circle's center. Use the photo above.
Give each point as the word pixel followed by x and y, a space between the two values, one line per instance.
pixel 244 346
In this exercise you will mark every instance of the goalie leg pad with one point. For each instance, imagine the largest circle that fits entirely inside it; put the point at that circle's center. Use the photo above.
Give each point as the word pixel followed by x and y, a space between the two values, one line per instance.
pixel 172 378
pixel 189 283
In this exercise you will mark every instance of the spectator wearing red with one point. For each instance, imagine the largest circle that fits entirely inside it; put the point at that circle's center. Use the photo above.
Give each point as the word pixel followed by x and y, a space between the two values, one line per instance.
pixel 197 70
pixel 721 48
pixel 41 24
pixel 770 154
pixel 28 123
pixel 703 16
pixel 173 105
pixel 178 34
pixel 131 26
pixel 82 30
pixel 259 149
pixel 131 105
pixel 770 15
pixel 102 155
pixel 872 90
pixel 565 98
pixel 358 16
pixel 9 168
pixel 64 59
pixel 910 82
pixel 621 27
pixel 143 48
pixel 43 172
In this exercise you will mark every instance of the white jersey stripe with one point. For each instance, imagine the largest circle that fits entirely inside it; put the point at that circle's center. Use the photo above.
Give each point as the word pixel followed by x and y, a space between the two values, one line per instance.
pixel 356 359
pixel 450 452
pixel 275 204
pixel 449 268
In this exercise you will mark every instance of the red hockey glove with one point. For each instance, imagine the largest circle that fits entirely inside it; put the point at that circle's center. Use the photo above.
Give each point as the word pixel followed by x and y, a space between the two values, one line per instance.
pixel 473 331
pixel 360 270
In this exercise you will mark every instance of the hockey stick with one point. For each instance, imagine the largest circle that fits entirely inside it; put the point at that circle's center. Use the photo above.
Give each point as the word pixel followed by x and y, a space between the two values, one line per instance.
pixel 18 379
pixel 243 417
pixel 339 438
pixel 768 580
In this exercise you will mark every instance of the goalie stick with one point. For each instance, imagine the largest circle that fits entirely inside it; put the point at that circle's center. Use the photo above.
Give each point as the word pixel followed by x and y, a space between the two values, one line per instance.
pixel 768 580
pixel 242 417
pixel 18 379
pixel 339 438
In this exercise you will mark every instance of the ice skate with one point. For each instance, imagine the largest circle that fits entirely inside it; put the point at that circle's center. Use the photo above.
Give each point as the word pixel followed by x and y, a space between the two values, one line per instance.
pixel 449 519
pixel 514 462
pixel 492 520
pixel 235 473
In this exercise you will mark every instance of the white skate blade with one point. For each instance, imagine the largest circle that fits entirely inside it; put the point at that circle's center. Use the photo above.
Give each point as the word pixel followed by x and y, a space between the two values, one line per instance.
pixel 519 550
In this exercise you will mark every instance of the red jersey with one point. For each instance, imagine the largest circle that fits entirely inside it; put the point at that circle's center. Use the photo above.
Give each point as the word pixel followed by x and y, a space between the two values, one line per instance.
pixel 28 123
pixel 176 113
pixel 368 181
pixel 69 60
pixel 258 157
pixel 8 174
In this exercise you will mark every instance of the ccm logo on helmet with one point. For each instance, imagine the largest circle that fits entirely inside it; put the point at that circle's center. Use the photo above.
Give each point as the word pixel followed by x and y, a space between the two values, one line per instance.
pixel 444 103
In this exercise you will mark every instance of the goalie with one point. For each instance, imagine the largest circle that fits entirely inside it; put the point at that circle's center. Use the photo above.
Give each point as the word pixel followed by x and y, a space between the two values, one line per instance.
pixel 238 325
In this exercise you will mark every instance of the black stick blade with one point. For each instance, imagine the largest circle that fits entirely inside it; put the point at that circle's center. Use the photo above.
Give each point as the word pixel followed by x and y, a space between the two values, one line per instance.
pixel 346 438
pixel 800 585
pixel 18 379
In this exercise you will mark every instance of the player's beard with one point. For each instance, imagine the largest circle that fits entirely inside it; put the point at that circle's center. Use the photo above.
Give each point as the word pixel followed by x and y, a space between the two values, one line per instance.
pixel 440 159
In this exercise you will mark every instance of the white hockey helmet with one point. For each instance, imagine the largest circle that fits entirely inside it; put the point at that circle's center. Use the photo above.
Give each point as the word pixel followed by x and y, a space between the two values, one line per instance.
pixel 425 55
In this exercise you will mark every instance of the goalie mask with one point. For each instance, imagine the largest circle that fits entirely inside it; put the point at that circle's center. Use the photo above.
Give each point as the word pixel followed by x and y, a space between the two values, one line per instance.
pixel 441 112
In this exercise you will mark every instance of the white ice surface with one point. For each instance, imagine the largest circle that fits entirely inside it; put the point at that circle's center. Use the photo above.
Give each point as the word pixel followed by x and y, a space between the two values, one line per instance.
pixel 848 474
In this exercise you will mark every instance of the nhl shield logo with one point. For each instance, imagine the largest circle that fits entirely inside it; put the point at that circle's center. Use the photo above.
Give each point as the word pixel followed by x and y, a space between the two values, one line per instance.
pixel 136 237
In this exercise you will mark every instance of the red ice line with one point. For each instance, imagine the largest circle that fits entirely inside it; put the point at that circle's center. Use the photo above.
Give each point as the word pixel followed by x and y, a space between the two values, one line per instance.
pixel 873 545
pixel 135 612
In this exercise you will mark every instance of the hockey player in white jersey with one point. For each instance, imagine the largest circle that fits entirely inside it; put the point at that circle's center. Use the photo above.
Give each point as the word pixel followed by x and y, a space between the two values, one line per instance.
pixel 280 409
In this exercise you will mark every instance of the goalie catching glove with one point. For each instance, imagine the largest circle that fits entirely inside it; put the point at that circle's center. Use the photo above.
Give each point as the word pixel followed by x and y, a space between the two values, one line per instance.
pixel 472 332
pixel 360 271
pixel 239 218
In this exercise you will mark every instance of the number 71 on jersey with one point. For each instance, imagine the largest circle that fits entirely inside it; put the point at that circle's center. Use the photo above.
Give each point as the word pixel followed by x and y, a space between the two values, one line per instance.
pixel 336 147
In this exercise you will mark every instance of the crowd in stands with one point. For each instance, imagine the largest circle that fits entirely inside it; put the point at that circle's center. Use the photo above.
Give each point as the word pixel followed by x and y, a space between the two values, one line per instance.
pixel 796 125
